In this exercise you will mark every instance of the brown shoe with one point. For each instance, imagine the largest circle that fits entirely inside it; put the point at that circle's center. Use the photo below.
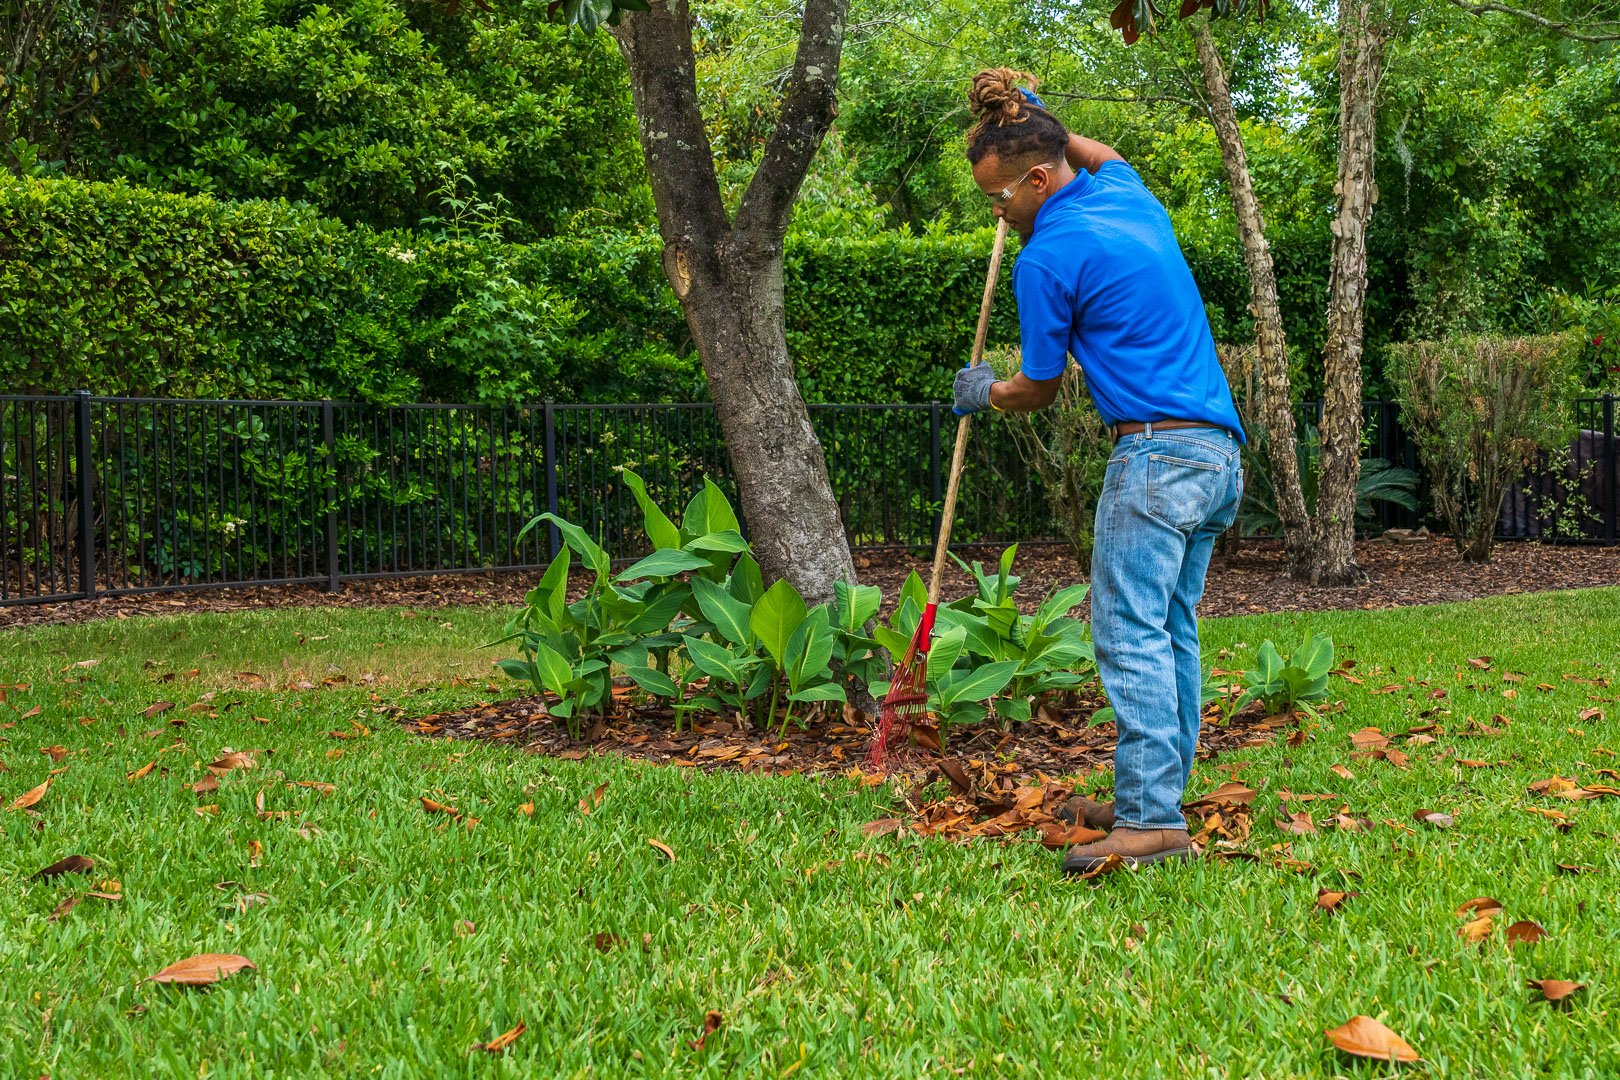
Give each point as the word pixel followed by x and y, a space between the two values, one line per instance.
pixel 1080 810
pixel 1128 847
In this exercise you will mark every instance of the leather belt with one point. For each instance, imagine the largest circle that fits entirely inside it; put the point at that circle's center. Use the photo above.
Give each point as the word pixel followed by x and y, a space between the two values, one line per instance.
pixel 1136 427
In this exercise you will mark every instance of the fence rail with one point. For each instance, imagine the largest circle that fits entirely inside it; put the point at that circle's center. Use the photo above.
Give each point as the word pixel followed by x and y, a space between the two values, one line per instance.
pixel 110 496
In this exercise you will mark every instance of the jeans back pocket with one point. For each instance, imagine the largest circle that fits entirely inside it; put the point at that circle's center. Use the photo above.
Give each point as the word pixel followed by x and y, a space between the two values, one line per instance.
pixel 1182 492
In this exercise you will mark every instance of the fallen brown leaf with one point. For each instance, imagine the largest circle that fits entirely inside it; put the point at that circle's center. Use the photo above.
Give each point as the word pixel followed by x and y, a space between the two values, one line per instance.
pixel 142 771
pixel 56 753
pixel 1524 932
pixel 1572 868
pixel 202 970
pixel 1369 738
pixel 663 848
pixel 1553 785
pixel 711 1024
pixel 30 797
pixel 527 809
pixel 1298 823
pixel 606 942
pixel 1230 793
pixel 503 1040
pixel 156 707
pixel 438 808
pixel 67 905
pixel 206 786
pixel 1342 773
pixel 1477 929
pixel 1435 818
pixel 1480 905
pixel 1367 1038
pixel 1329 900
pixel 881 827
pixel 595 799
pixel 73 864
pixel 1591 714
pixel 1556 990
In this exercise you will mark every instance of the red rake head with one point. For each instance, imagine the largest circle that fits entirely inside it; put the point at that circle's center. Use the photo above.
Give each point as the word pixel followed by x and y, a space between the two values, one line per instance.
pixel 907 699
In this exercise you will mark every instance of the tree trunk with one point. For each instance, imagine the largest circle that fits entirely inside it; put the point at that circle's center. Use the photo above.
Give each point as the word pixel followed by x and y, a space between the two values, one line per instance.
pixel 1333 532
pixel 728 277
pixel 1276 396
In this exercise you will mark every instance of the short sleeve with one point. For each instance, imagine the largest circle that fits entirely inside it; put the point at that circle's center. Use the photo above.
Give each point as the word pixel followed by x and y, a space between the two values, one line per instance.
pixel 1045 320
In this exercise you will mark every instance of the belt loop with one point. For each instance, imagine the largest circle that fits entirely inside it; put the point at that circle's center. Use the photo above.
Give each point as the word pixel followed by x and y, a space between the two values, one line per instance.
pixel 1147 431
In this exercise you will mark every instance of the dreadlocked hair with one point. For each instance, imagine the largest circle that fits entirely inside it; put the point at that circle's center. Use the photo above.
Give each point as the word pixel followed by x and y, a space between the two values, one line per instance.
pixel 1008 125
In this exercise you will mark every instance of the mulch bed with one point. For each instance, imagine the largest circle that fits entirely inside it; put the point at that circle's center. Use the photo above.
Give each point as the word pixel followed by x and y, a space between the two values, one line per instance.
pixel 1055 742
pixel 1251 579
pixel 1001 782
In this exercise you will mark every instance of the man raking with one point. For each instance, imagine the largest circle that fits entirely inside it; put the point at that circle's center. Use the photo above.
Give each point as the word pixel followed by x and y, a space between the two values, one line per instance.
pixel 1101 277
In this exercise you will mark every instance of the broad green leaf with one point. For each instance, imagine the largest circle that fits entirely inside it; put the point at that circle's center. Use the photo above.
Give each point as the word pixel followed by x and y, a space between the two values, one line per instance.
pixel 660 530
pixel 665 562
pixel 1003 579
pixel 746 583
pixel 518 669
pixel 774 618
pixel 709 512
pixel 589 551
pixel 1060 603
pixel 809 651
pixel 1270 664
pixel 653 681
pixel 725 540
pixel 823 692
pixel 1104 715
pixel 728 614
pixel 711 659
pixel 551 594
pixel 1316 656
pixel 1014 708
pixel 857 605
pixel 555 672
pixel 982 682
pixel 914 590
pixel 660 610
pixel 942 655
pixel 981 640
pixel 894 642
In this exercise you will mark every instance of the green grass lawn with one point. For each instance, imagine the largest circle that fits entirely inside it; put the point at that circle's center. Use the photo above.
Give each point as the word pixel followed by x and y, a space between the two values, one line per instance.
pixel 393 940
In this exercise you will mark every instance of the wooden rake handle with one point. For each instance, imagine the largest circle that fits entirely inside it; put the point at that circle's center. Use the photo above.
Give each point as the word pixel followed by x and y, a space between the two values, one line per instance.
pixel 947 515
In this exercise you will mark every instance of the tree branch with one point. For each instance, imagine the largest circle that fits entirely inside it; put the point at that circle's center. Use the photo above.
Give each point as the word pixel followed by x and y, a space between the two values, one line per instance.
pixel 1139 99
pixel 657 47
pixel 808 107
pixel 1563 29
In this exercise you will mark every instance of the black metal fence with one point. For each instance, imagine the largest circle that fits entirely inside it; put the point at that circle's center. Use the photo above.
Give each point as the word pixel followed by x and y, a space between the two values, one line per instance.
pixel 106 496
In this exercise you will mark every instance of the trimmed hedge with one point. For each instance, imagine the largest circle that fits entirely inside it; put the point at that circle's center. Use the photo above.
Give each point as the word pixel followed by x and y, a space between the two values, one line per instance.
pixel 124 290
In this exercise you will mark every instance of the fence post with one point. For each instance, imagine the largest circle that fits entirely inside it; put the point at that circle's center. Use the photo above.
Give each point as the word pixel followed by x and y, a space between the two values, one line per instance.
pixel 1611 444
pixel 85 459
pixel 328 436
pixel 934 479
pixel 551 476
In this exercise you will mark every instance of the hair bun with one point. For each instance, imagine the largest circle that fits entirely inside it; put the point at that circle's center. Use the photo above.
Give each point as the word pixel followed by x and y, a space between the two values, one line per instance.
pixel 996 99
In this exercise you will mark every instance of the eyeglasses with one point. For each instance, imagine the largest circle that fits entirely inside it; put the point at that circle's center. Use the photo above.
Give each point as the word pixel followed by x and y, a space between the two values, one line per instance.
pixel 1005 194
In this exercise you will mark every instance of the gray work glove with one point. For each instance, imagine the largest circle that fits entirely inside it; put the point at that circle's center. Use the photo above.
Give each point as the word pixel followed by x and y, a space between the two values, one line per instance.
pixel 973 389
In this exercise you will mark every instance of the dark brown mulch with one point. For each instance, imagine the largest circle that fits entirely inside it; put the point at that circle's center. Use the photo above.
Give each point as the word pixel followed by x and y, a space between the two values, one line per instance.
pixel 1056 742
pixel 1251 579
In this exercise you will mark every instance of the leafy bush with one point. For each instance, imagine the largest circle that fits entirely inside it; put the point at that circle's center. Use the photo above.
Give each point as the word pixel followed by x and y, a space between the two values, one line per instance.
pixel 1479 408
pixel 1378 482
pixel 121 290
pixel 1296 683
pixel 693 623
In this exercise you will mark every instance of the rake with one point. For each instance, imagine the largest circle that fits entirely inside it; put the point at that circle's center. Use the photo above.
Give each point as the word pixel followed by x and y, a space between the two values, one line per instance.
pixel 906 703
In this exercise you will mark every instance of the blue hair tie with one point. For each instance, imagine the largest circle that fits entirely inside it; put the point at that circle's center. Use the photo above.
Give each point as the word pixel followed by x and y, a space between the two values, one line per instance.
pixel 1029 96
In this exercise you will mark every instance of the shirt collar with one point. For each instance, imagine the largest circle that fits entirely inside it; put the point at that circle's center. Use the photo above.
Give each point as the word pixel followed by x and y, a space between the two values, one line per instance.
pixel 1074 189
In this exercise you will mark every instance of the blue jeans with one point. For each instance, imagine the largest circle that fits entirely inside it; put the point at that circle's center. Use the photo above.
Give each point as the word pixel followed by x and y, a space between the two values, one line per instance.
pixel 1166 497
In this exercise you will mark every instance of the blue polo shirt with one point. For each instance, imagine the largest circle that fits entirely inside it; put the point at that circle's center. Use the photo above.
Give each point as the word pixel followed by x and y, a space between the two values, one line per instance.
pixel 1103 278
